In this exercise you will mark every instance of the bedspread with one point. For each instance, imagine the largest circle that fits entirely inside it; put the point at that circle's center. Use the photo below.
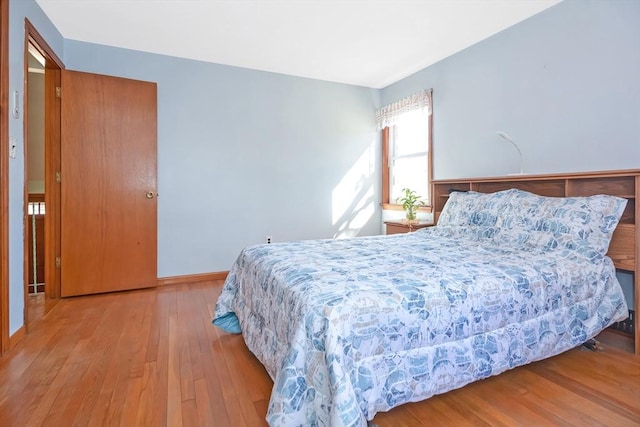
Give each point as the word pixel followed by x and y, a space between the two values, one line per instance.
pixel 348 328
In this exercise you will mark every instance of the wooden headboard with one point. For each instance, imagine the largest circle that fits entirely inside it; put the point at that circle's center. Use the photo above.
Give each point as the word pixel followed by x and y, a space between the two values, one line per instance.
pixel 624 249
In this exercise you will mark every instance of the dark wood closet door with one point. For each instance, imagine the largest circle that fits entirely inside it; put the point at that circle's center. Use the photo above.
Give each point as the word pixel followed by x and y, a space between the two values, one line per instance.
pixel 108 184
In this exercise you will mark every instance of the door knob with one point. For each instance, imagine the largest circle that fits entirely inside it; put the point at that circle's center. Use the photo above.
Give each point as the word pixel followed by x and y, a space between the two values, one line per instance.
pixel 150 194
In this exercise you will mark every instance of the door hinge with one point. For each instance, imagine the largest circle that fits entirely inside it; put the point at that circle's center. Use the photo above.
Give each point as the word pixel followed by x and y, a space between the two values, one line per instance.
pixel 57 262
pixel 58 177
pixel 58 92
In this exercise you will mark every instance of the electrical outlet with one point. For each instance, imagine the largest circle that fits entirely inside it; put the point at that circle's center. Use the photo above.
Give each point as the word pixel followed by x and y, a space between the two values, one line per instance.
pixel 13 152
pixel 268 239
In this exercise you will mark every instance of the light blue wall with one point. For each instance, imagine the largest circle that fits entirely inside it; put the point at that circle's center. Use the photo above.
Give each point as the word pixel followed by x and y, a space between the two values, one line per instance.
pixel 563 84
pixel 18 11
pixel 243 154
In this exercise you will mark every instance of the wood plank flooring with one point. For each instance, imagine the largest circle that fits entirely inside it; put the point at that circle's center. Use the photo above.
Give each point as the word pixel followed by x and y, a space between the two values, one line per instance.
pixel 152 358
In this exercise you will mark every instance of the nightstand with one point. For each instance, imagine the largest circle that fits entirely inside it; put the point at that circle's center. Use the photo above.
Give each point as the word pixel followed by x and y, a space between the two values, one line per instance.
pixel 398 226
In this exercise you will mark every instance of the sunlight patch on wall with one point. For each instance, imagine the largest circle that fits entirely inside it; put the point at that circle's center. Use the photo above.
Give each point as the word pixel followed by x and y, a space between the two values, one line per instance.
pixel 352 200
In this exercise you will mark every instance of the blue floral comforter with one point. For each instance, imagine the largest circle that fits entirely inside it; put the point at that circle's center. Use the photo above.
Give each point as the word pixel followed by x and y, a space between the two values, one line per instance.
pixel 348 328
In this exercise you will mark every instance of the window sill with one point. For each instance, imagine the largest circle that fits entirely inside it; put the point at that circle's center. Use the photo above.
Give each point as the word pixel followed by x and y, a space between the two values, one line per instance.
pixel 394 207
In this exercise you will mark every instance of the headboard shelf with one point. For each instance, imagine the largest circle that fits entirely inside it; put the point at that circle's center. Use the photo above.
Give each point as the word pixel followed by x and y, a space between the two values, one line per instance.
pixel 624 249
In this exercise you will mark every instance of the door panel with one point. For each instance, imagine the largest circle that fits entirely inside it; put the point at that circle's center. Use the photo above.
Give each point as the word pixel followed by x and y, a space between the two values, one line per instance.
pixel 109 181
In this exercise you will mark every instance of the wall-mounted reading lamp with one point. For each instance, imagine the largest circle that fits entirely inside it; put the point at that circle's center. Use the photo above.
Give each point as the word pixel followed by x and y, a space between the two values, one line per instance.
pixel 506 137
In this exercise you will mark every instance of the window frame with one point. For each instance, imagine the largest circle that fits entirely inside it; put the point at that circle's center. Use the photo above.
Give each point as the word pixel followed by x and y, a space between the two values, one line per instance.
pixel 386 173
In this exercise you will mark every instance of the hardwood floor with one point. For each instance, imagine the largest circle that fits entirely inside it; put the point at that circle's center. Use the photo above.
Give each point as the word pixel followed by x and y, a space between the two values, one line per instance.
pixel 152 358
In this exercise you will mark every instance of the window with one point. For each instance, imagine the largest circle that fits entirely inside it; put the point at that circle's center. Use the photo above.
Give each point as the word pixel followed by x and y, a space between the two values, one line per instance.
pixel 408 160
pixel 406 145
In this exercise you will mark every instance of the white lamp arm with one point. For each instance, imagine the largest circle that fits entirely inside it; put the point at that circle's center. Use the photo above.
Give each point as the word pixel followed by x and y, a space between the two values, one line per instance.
pixel 506 137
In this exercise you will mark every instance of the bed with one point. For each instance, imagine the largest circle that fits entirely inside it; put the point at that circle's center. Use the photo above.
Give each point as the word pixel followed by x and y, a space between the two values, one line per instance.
pixel 348 328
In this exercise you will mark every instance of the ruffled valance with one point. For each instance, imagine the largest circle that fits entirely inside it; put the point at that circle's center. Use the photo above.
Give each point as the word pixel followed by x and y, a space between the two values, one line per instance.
pixel 387 115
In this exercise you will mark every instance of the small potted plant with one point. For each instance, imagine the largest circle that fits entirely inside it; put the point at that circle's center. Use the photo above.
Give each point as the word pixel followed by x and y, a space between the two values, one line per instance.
pixel 411 201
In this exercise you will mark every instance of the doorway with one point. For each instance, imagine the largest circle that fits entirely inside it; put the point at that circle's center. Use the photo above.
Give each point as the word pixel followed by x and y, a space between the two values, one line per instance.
pixel 117 248
pixel 35 173
pixel 41 192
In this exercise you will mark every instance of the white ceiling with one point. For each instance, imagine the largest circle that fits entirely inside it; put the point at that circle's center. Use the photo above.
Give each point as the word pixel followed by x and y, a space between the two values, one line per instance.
pixel 370 43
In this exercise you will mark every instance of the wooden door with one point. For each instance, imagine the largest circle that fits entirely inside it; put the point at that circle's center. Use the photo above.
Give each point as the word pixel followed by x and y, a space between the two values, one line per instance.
pixel 108 184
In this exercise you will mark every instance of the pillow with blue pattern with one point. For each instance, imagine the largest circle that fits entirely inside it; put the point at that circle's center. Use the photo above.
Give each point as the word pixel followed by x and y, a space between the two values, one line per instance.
pixel 582 224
